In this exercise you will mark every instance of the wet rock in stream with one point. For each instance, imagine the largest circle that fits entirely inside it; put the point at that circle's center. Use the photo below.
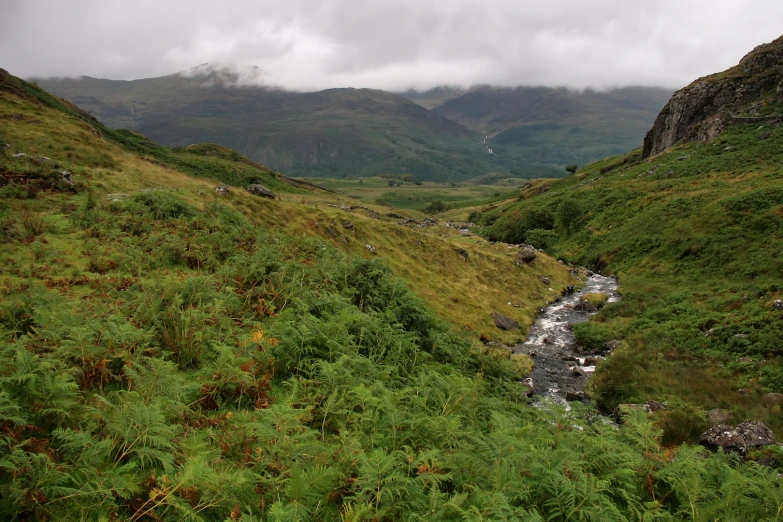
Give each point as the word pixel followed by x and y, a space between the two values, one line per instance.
pixel 561 372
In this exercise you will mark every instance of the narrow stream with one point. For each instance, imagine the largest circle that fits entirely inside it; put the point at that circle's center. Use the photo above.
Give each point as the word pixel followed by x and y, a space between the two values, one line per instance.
pixel 561 373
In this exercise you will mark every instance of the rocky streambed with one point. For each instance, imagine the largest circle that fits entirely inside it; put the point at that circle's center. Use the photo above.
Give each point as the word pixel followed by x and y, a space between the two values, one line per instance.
pixel 561 373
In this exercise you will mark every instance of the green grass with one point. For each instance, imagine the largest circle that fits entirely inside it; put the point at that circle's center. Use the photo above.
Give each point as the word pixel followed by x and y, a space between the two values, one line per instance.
pixel 696 237
pixel 410 196
pixel 167 353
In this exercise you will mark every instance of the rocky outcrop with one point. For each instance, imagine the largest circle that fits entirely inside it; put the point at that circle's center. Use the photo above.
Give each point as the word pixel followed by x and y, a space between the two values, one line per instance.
pixel 700 111
pixel 751 434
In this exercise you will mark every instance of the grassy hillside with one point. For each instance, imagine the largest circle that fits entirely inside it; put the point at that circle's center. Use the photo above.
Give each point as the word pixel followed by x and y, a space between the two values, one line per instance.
pixel 167 353
pixel 552 127
pixel 333 133
pixel 695 235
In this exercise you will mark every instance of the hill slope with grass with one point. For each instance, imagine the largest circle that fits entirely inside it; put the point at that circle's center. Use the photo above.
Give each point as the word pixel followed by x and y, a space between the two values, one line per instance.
pixel 556 126
pixel 332 133
pixel 695 234
pixel 171 353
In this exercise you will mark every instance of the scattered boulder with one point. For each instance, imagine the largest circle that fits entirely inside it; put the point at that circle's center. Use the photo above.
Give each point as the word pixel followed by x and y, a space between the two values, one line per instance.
pixel 6 146
pixel 544 280
pixel 723 436
pixel 257 189
pixel 612 345
pixel 463 253
pixel 370 248
pixel 525 256
pixel 568 290
pixel 578 371
pixel 718 416
pixel 66 176
pixel 772 399
pixel 504 323
pixel 19 155
pixel 755 434
pixel 778 304
pixel 572 396
pixel 748 435
pixel 348 225
pixel 764 135
pixel 428 222
pixel 222 190
pixel 40 160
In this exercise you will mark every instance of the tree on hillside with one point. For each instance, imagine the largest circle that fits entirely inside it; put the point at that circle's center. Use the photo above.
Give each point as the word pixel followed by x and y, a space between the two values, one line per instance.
pixel 569 215
pixel 572 168
pixel 435 206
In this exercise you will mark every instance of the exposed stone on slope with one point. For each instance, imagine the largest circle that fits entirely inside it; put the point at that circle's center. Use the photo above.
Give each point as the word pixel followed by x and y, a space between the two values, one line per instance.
pixel 700 111
pixel 505 323
pixel 257 189
pixel 750 434
pixel 525 256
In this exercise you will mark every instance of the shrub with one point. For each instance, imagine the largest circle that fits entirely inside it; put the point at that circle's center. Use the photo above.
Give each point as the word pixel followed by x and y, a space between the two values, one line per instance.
pixel 569 215
pixel 540 238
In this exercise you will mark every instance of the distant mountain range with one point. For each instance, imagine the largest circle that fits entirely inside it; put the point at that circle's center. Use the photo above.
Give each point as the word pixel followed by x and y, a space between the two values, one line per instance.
pixel 523 132
pixel 544 125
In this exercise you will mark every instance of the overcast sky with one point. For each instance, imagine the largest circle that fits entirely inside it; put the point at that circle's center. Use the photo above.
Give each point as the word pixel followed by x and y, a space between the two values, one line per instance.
pixel 390 44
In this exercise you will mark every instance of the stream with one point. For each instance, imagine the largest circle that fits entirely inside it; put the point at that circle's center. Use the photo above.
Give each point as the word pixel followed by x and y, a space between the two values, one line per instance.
pixel 561 373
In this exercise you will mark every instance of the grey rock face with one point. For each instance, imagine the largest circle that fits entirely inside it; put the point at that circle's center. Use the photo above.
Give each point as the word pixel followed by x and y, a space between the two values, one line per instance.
pixel 700 111
pixel 257 189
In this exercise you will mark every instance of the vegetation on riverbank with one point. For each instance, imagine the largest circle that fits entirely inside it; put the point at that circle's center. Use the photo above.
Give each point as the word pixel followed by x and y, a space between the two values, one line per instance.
pixel 695 235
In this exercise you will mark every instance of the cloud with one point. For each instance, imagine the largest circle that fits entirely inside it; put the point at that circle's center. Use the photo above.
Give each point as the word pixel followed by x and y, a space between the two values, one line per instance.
pixel 395 44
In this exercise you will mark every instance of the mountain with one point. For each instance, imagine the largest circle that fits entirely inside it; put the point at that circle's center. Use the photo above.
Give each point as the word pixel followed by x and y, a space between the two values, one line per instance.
pixel 749 92
pixel 431 98
pixel 171 352
pixel 557 126
pixel 692 223
pixel 335 133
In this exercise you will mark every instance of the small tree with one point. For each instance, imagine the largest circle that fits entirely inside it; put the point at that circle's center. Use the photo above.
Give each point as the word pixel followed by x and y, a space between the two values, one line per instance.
pixel 435 206
pixel 569 215
pixel 572 168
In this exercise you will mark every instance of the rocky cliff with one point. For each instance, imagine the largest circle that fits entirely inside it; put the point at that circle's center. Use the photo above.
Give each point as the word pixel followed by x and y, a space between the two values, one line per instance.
pixel 700 111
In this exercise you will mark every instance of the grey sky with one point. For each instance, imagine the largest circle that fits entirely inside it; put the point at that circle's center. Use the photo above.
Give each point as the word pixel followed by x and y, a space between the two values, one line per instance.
pixel 390 44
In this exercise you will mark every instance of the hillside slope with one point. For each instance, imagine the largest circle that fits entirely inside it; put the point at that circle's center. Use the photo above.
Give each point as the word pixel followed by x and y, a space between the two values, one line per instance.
pixel 695 234
pixel 549 126
pixel 334 133
pixel 170 353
